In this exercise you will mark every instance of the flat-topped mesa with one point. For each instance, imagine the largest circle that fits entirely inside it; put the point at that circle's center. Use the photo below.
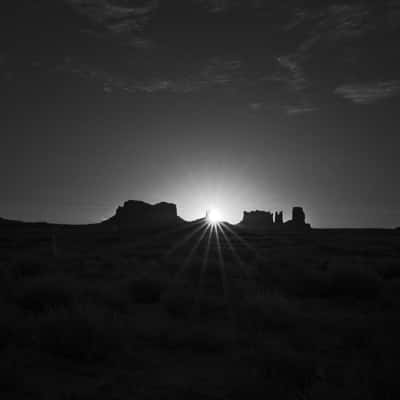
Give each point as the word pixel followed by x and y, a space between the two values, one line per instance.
pixel 140 215
pixel 257 219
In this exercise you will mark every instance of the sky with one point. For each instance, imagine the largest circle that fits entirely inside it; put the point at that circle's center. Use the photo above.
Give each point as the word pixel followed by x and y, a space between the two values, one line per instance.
pixel 228 104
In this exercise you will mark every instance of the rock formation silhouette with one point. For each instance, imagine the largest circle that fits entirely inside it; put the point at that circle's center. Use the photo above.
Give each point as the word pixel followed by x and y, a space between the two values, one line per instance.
pixel 298 221
pixel 279 218
pixel 298 215
pixel 140 215
pixel 265 220
pixel 257 219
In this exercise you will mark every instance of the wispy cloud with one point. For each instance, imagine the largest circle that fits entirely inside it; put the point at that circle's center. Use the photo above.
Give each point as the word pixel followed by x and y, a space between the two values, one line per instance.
pixel 215 72
pixel 218 6
pixel 293 76
pixel 335 20
pixel 256 106
pixel 121 19
pixel 113 12
pixel 345 20
pixel 293 71
pixel 290 110
pixel 393 14
pixel 369 93
pixel 302 109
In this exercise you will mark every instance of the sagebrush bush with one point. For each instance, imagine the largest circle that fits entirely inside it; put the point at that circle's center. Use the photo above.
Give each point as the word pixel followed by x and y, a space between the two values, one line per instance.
pixel 179 301
pixel 111 295
pixel 39 295
pixel 145 290
pixel 11 377
pixel 85 334
pixel 5 283
pixel 269 310
pixel 285 372
pixel 29 268
pixel 12 325
pixel 391 294
pixel 209 306
pixel 353 281
pixel 389 270
pixel 201 339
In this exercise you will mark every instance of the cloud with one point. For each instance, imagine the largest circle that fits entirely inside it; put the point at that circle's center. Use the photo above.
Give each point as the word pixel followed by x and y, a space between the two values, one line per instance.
pixel 344 20
pixel 214 72
pixel 256 106
pixel 369 93
pixel 219 6
pixel 335 20
pixel 220 71
pixel 294 75
pixel 291 110
pixel 108 10
pixel 216 6
pixel 338 22
pixel 393 14
pixel 122 20
pixel 295 83
pixel 300 109
pixel 295 79
pixel 118 17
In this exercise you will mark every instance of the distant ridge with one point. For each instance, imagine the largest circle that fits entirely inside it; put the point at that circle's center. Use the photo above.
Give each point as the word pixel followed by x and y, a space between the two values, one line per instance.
pixel 139 215
pixel 4 221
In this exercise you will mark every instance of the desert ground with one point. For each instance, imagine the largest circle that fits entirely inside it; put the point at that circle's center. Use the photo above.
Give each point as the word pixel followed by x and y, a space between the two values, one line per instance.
pixel 198 312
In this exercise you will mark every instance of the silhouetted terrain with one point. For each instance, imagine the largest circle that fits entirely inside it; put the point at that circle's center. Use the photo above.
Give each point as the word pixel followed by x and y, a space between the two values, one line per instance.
pixel 198 311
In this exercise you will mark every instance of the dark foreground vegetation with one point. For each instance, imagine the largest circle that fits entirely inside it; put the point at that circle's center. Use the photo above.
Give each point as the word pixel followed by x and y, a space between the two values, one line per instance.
pixel 87 314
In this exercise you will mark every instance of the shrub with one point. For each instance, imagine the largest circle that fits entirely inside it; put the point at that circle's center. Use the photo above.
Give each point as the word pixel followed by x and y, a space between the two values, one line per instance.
pixel 12 325
pixel 269 310
pixel 210 305
pixel 353 281
pixel 196 338
pixel 5 284
pixel 391 294
pixel 113 296
pixel 179 301
pixel 390 270
pixel 41 295
pixel 145 291
pixel 27 268
pixel 11 377
pixel 86 334
pixel 285 373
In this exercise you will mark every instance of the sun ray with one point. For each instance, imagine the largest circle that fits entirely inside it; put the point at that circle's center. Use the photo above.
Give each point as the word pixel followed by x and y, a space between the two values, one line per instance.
pixel 243 268
pixel 203 268
pixel 225 286
pixel 186 262
pixel 161 235
pixel 185 239
pixel 244 242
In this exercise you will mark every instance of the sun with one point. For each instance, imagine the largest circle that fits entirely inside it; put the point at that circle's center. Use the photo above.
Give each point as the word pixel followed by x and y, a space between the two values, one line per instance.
pixel 213 217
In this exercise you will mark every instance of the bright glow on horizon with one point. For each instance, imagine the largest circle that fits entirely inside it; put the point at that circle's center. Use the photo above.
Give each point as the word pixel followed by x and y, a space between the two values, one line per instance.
pixel 214 216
